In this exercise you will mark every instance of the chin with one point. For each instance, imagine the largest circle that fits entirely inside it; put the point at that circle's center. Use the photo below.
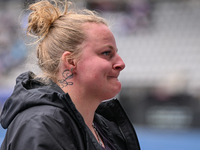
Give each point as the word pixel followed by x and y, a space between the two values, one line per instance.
pixel 112 91
pixel 115 92
pixel 118 87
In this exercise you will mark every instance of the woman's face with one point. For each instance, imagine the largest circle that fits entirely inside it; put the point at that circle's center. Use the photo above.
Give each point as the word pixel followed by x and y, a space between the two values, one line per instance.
pixel 99 65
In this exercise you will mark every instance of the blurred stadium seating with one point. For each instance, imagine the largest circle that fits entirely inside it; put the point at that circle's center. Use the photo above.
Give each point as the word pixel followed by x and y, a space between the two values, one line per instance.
pixel 159 43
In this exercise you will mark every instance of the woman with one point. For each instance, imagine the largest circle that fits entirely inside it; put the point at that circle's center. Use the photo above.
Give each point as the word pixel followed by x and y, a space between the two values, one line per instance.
pixel 64 110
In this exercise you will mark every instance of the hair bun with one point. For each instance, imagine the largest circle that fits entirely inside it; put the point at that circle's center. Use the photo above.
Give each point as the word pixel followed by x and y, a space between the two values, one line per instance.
pixel 41 18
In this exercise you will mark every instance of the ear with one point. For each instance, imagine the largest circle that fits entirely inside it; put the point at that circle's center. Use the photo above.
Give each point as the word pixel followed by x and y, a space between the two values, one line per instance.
pixel 67 61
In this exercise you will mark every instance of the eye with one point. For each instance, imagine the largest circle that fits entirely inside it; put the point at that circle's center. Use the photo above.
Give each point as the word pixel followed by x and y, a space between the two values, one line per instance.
pixel 107 53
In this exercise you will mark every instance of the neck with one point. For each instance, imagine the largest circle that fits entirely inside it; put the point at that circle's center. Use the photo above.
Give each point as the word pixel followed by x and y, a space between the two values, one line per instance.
pixel 85 104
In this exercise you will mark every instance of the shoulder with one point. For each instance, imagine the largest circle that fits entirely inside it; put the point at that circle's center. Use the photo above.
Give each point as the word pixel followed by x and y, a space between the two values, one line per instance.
pixel 46 127
pixel 43 114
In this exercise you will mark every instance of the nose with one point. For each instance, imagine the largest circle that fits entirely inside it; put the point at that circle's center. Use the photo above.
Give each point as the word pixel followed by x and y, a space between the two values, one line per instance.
pixel 119 63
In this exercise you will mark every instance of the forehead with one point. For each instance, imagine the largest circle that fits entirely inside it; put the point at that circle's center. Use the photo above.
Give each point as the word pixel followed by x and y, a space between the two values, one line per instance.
pixel 97 31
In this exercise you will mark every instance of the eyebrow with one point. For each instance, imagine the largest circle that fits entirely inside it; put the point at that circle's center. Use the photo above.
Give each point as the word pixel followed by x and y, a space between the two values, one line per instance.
pixel 111 47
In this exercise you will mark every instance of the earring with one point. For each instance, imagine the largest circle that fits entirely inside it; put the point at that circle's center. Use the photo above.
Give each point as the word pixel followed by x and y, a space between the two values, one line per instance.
pixel 71 69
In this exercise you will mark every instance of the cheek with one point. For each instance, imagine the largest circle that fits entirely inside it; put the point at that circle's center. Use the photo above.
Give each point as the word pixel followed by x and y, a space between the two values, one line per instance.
pixel 94 68
pixel 87 70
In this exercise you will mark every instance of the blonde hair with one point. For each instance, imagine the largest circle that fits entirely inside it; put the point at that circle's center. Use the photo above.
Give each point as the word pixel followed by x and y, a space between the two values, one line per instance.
pixel 58 29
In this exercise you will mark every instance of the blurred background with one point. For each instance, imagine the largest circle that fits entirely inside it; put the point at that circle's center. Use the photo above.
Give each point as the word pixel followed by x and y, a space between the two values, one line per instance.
pixel 159 43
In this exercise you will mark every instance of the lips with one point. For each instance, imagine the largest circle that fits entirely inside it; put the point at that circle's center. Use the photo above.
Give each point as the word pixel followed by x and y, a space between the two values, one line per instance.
pixel 113 76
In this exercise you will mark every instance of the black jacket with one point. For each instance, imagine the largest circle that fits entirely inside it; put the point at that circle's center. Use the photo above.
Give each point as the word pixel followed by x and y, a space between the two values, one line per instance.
pixel 43 117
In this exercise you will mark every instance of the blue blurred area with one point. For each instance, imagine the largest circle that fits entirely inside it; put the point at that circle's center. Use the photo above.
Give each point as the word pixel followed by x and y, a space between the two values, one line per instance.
pixel 2 134
pixel 157 139
pixel 4 94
